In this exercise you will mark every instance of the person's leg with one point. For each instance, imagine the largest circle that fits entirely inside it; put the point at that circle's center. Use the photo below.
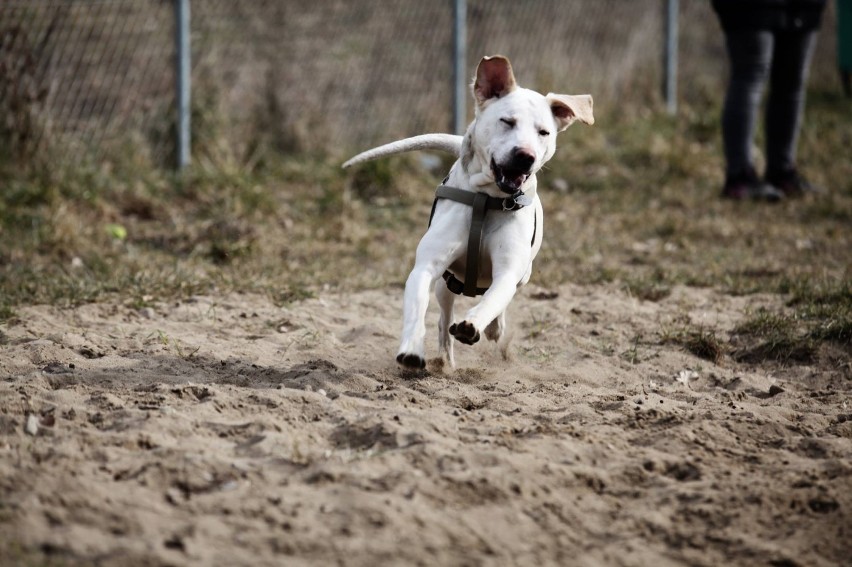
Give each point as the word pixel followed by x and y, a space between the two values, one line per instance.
pixel 790 62
pixel 750 56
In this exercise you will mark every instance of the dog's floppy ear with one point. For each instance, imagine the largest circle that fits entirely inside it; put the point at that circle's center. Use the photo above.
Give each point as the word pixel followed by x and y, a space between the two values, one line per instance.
pixel 568 108
pixel 494 79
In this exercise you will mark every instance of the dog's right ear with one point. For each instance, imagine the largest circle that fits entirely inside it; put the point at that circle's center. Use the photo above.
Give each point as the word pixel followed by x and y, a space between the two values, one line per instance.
pixel 494 79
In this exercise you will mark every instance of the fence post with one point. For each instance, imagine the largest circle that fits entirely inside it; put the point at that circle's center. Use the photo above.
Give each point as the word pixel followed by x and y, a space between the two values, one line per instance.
pixel 459 66
pixel 182 81
pixel 670 56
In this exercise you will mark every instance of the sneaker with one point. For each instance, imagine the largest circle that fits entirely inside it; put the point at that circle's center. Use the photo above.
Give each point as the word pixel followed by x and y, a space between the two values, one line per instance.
pixel 791 183
pixel 746 185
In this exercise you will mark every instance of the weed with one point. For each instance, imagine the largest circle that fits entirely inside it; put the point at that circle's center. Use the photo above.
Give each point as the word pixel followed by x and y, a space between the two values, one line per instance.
pixel 774 337
pixel 164 338
pixel 647 289
pixel 606 347
pixel 780 349
pixel 290 294
pixel 374 178
pixel 765 324
pixel 7 313
pixel 704 344
pixel 836 329
pixel 631 355
pixel 701 342
pixel 827 308
pixel 540 326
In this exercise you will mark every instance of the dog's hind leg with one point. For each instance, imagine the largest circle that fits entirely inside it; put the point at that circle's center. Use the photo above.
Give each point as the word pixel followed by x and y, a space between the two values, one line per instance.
pixel 496 331
pixel 446 299
pixel 495 328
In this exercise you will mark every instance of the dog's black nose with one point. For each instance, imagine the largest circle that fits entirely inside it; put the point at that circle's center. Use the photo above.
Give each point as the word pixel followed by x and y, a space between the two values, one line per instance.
pixel 522 160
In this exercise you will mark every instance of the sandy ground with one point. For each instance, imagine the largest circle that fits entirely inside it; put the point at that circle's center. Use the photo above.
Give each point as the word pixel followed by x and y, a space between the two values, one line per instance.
pixel 228 431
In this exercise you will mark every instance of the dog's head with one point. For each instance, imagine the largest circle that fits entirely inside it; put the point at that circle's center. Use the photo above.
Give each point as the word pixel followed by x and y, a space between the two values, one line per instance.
pixel 514 132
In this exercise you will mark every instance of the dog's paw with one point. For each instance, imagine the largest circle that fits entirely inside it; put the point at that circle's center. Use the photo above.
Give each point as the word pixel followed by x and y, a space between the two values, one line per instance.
pixel 411 361
pixel 464 332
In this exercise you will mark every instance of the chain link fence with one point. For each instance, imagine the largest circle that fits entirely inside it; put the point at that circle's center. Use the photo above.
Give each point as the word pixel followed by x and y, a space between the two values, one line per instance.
pixel 95 78
pixel 79 77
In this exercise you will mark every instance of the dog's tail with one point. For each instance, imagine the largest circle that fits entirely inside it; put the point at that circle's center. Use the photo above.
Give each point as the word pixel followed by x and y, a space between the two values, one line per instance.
pixel 440 142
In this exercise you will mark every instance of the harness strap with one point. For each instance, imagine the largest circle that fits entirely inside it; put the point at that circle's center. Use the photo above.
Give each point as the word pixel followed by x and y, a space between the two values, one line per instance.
pixel 456 286
pixel 481 203
pixel 509 203
pixel 474 243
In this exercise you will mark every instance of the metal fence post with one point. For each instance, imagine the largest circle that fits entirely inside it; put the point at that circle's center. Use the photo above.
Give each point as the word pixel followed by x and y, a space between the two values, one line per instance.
pixel 670 56
pixel 459 66
pixel 182 81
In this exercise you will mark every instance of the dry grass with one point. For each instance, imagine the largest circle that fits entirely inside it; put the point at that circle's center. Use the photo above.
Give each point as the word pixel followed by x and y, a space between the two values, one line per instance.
pixel 639 206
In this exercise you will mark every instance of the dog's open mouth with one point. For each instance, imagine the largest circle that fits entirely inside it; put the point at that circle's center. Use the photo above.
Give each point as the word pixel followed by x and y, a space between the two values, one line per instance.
pixel 508 179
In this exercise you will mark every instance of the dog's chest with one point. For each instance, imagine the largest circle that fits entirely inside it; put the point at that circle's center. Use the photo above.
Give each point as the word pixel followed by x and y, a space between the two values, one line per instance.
pixel 504 236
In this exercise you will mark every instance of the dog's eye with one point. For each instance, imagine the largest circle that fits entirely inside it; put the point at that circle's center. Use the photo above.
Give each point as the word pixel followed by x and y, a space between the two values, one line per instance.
pixel 543 132
pixel 510 122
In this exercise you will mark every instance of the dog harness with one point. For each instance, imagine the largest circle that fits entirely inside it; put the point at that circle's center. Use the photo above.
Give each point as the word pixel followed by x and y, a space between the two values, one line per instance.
pixel 481 203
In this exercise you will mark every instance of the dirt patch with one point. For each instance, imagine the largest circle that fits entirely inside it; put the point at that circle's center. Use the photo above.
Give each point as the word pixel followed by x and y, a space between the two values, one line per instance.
pixel 226 431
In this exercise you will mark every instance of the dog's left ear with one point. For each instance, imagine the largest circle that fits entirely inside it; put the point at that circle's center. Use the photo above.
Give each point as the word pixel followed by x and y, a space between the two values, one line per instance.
pixel 568 108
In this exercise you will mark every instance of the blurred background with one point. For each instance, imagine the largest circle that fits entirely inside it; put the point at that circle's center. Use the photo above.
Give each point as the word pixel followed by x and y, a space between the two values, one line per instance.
pixel 282 92
pixel 95 79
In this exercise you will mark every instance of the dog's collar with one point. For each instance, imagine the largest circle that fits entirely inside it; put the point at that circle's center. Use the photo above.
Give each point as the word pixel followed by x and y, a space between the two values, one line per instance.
pixel 481 203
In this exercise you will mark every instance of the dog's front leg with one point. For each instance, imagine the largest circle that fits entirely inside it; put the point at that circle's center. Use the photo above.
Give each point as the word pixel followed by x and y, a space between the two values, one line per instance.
pixel 412 352
pixel 439 246
pixel 493 304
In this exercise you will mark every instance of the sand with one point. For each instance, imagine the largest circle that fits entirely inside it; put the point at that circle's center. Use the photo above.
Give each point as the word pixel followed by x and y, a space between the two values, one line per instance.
pixel 228 431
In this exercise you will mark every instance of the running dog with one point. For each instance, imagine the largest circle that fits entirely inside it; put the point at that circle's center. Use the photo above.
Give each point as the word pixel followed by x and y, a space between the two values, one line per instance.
pixel 486 224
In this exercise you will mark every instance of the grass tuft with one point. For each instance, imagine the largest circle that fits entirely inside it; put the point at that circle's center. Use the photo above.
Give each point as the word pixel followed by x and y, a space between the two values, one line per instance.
pixel 701 342
pixel 776 337
pixel 704 344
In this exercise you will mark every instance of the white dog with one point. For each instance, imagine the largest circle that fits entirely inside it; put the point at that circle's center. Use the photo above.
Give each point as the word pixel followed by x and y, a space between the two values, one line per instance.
pixel 486 224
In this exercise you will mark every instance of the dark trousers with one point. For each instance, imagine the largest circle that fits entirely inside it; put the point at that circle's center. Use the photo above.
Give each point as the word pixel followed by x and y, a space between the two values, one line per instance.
pixel 783 57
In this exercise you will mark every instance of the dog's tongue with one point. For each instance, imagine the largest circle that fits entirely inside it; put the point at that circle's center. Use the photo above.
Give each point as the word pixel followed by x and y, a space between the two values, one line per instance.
pixel 510 183
pixel 509 180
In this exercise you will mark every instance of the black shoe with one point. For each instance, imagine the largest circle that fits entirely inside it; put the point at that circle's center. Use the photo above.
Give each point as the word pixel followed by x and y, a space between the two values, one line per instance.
pixel 791 183
pixel 746 186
